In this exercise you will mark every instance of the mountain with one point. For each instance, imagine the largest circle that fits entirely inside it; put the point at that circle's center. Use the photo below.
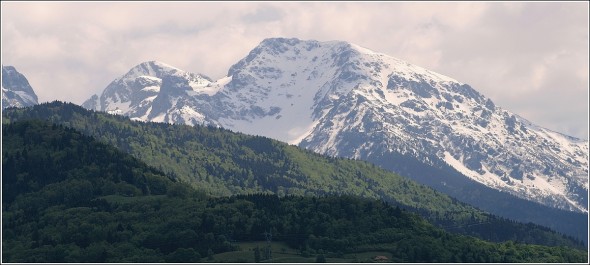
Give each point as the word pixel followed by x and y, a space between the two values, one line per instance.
pixel 154 91
pixel 219 162
pixel 340 99
pixel 368 105
pixel 68 198
pixel 16 90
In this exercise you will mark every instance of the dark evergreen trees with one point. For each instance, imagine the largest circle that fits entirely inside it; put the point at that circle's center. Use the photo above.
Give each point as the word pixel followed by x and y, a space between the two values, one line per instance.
pixel 70 198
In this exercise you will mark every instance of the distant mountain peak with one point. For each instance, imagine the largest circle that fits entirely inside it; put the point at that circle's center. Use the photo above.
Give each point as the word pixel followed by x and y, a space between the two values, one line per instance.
pixel 16 90
pixel 289 41
pixel 151 90
pixel 92 103
pixel 151 68
pixel 8 69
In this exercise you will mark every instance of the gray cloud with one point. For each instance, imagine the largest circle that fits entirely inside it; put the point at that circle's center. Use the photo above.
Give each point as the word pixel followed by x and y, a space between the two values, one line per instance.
pixel 530 58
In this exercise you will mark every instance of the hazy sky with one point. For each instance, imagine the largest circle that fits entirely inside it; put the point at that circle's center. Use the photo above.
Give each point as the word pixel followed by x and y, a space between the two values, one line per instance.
pixel 530 57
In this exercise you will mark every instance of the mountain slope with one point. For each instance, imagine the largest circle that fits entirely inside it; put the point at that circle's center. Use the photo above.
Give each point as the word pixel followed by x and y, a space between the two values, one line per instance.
pixel 101 205
pixel 16 90
pixel 221 163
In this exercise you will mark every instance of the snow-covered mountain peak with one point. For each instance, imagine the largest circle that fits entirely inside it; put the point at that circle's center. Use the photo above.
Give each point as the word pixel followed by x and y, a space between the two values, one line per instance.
pixel 364 50
pixel 150 90
pixel 16 90
pixel 155 69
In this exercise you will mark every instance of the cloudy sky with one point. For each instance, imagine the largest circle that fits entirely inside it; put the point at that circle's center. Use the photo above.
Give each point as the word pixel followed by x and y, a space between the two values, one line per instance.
pixel 529 57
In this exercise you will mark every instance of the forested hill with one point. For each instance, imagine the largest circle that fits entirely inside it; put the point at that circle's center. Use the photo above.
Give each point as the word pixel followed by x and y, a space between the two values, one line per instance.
pixel 68 198
pixel 219 162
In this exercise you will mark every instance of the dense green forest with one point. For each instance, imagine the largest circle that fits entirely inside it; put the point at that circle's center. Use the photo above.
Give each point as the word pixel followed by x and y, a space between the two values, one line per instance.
pixel 219 162
pixel 69 198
